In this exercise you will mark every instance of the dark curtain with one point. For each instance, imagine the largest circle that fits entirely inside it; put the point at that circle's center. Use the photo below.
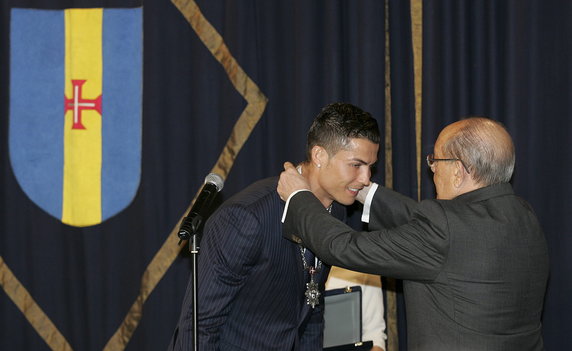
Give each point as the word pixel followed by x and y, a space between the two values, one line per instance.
pixel 508 60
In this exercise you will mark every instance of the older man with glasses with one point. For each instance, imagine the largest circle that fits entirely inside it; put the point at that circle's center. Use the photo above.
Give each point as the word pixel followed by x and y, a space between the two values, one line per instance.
pixel 474 261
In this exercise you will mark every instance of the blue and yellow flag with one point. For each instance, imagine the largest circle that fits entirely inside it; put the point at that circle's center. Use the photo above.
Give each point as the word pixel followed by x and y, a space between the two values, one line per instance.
pixel 75 110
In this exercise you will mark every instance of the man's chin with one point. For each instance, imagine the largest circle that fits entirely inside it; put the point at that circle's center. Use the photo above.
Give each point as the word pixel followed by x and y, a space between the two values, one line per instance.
pixel 346 202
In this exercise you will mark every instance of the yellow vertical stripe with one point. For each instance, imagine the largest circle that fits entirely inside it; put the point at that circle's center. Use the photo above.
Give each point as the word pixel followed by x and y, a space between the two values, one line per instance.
pixel 82 147
pixel 417 42
pixel 388 115
pixel 391 286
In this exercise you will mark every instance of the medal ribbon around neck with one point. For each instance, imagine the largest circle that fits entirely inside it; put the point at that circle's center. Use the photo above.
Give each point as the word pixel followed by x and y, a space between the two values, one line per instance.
pixel 312 292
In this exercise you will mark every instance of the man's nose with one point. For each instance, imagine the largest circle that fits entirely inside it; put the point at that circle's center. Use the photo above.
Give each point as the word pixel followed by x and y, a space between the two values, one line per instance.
pixel 365 176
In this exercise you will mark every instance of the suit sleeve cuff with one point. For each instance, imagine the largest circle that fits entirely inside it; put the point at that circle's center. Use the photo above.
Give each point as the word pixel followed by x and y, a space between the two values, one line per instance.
pixel 367 203
pixel 288 202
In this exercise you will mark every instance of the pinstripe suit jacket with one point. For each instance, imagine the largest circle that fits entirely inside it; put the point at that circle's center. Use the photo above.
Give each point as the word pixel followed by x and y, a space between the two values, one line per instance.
pixel 251 281
pixel 475 268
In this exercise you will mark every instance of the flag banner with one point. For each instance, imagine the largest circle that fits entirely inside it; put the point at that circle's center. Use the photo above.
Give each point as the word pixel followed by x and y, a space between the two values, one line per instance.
pixel 75 110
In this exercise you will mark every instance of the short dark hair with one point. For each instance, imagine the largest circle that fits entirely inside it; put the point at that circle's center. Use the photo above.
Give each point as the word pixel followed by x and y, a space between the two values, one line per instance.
pixel 336 124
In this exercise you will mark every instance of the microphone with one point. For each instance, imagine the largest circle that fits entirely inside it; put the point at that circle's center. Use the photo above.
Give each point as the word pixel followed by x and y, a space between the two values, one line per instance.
pixel 195 217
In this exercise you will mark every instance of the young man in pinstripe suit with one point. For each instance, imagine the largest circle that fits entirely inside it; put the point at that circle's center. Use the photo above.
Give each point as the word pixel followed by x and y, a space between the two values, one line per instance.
pixel 257 290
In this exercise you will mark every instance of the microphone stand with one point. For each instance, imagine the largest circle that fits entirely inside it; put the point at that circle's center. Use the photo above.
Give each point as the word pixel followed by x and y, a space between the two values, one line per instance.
pixel 190 231
pixel 194 248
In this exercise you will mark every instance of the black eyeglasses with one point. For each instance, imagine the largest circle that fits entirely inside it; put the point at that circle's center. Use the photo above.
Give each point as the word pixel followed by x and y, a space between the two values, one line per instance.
pixel 431 161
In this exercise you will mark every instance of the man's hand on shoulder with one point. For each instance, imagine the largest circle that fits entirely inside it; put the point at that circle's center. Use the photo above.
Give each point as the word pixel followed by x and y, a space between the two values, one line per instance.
pixel 291 181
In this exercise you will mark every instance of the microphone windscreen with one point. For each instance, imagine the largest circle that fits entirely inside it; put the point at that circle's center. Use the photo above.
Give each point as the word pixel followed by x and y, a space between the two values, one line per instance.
pixel 216 180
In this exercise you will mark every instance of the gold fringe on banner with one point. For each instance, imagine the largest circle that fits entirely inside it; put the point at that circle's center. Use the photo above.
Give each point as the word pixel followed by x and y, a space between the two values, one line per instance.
pixel 417 42
pixel 390 289
pixel 33 313
pixel 256 103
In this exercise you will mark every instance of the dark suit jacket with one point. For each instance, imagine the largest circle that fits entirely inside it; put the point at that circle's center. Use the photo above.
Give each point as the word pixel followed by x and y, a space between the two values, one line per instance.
pixel 251 281
pixel 475 268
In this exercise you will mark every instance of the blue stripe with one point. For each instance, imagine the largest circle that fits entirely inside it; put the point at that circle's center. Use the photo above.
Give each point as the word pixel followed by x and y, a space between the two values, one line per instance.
pixel 37 60
pixel 122 108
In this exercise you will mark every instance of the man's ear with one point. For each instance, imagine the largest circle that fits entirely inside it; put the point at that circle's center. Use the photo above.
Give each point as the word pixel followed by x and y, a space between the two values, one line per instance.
pixel 319 156
pixel 459 175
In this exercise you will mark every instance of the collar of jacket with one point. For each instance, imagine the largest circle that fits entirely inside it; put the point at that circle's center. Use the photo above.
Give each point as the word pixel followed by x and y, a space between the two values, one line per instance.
pixel 485 193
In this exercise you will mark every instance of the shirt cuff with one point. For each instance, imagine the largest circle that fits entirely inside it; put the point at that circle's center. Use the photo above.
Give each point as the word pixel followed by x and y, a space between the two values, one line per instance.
pixel 288 202
pixel 367 203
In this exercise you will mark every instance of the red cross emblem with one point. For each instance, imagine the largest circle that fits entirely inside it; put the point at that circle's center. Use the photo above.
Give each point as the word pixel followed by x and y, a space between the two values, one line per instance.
pixel 78 104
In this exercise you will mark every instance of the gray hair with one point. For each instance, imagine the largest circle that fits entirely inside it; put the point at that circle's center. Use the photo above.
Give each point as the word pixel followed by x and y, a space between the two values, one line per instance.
pixel 485 148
